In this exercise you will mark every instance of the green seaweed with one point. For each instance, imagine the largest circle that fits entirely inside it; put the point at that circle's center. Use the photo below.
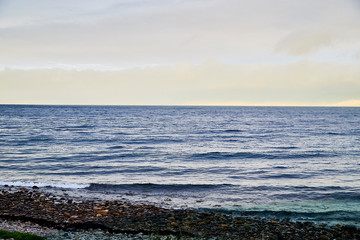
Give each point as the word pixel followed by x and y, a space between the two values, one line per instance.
pixel 19 236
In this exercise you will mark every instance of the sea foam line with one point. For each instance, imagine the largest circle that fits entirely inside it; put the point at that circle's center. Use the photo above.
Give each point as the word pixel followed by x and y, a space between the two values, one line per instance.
pixel 40 184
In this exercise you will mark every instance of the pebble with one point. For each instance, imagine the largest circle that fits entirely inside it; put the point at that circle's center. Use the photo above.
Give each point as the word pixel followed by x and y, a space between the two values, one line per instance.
pixel 61 218
pixel 27 227
pixel 101 235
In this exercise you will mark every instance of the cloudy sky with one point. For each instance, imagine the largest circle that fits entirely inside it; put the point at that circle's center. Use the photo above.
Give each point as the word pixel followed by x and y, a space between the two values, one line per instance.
pixel 180 52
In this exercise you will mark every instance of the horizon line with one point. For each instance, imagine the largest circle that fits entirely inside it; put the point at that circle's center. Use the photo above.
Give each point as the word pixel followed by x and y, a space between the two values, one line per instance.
pixel 170 105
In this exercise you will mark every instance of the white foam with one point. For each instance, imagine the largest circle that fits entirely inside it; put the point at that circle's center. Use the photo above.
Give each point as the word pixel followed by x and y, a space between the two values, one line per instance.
pixel 54 185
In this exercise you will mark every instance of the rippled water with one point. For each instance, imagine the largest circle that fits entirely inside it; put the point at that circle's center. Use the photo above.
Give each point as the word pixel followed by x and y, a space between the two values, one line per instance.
pixel 278 161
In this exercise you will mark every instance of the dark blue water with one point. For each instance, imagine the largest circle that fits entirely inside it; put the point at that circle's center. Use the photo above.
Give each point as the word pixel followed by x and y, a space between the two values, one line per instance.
pixel 295 162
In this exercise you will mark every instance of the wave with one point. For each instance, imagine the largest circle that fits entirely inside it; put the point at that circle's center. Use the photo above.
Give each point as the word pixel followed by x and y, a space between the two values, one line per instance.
pixel 252 155
pixel 29 141
pixel 100 171
pixel 47 185
pixel 155 187
pixel 336 133
pixel 296 188
pixel 90 157
pixel 347 217
pixel 116 147
pixel 332 193
pixel 226 155
pixel 217 131
pixel 74 127
pixel 233 131
pixel 287 175
pixel 286 147
pixel 138 187
pixel 342 195
pixel 152 141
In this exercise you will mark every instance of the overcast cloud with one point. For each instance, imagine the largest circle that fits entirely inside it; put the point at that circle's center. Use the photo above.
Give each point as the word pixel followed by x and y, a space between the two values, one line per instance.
pixel 259 49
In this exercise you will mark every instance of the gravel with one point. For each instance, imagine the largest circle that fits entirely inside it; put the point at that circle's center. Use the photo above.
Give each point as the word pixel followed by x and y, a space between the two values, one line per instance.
pixel 75 218
pixel 101 235
pixel 27 227
pixel 54 234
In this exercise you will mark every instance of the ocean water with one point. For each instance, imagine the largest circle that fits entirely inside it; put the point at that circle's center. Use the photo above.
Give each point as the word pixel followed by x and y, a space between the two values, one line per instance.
pixel 301 163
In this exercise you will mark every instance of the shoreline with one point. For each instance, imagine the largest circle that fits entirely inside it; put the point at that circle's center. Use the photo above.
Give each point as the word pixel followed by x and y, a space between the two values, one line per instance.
pixel 119 217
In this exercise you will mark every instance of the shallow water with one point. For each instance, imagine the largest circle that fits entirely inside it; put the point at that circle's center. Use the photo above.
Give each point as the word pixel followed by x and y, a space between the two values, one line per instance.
pixel 295 162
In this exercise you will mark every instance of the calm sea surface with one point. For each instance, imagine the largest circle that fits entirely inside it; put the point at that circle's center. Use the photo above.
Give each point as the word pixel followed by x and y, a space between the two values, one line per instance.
pixel 296 162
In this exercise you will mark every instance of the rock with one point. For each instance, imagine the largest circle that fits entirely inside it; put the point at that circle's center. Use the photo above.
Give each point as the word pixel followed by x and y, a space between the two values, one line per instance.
pixel 103 212
pixel 324 237
pixel 126 217
pixel 187 228
pixel 273 222
pixel 174 224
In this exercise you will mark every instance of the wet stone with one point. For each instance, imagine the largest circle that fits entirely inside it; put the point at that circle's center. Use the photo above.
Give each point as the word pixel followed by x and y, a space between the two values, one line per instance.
pixel 117 217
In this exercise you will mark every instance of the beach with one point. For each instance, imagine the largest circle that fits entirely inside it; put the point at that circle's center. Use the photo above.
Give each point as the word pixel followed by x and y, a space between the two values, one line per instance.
pixel 51 213
pixel 164 120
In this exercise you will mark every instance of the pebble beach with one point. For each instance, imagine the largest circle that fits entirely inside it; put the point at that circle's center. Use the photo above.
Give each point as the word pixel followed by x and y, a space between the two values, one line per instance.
pixel 57 217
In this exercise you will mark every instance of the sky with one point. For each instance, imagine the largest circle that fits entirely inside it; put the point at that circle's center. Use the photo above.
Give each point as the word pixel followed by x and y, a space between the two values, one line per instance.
pixel 180 52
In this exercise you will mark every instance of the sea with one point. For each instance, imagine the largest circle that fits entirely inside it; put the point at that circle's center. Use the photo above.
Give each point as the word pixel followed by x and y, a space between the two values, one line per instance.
pixel 297 163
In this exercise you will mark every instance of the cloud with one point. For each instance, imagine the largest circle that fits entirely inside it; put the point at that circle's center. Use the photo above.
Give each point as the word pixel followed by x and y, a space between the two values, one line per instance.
pixel 305 42
pixel 267 37
pixel 348 103
pixel 333 39
pixel 299 83
pixel 334 29
pixel 157 31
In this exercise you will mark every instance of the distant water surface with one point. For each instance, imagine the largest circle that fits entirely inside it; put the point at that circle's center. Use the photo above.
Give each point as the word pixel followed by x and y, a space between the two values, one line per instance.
pixel 297 162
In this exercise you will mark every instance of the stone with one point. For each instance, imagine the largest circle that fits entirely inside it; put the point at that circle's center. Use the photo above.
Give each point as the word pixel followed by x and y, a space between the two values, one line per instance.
pixel 174 224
